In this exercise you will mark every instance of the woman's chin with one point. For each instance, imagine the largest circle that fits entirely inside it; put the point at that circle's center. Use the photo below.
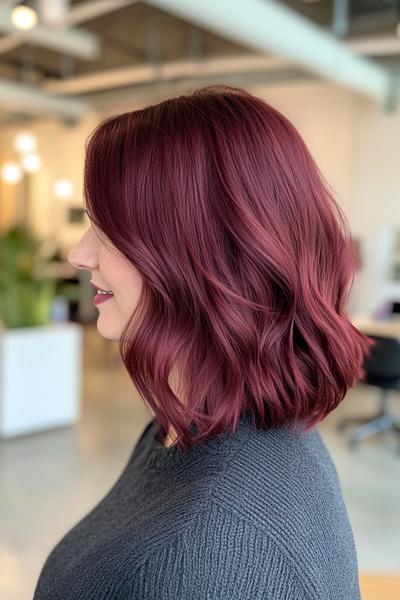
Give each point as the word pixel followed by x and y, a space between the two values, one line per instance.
pixel 107 330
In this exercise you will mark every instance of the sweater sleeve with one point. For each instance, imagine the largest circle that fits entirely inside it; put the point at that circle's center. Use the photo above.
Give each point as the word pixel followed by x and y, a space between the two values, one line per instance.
pixel 218 557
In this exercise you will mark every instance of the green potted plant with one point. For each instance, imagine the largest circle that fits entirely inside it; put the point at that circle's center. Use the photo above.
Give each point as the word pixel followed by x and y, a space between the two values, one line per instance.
pixel 26 294
pixel 40 360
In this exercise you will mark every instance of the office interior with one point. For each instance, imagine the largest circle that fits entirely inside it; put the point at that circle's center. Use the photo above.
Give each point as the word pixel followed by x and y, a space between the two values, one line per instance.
pixel 69 415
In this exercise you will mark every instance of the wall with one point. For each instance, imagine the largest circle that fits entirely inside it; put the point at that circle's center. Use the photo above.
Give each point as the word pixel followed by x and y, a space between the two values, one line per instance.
pixel 375 213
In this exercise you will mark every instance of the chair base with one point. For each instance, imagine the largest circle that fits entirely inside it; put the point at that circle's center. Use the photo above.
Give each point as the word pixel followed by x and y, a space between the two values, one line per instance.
pixel 369 427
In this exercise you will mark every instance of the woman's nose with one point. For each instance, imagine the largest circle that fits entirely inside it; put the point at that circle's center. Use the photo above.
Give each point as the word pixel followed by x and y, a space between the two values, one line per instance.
pixel 83 255
pixel 75 260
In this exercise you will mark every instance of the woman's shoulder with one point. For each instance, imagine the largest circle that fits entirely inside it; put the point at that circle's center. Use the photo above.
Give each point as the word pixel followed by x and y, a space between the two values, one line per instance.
pixel 285 486
pixel 277 468
pixel 285 483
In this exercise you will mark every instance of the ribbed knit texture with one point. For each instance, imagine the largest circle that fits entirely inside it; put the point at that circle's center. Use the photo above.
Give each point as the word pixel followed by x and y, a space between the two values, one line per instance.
pixel 253 515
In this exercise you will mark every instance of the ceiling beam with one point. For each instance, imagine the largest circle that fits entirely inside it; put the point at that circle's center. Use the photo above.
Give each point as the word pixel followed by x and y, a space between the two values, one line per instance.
pixel 24 98
pixel 268 26
pixel 73 41
pixel 169 71
pixel 376 45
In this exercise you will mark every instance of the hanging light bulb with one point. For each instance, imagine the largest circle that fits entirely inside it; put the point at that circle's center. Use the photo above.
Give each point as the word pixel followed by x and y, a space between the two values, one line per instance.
pixel 63 188
pixel 23 16
pixel 31 162
pixel 25 142
pixel 11 172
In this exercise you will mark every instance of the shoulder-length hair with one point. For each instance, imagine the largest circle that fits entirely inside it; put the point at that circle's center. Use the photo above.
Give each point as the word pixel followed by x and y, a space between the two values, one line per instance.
pixel 246 260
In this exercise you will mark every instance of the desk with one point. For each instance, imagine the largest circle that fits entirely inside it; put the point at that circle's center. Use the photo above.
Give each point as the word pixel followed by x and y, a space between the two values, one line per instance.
pixel 380 586
pixel 371 326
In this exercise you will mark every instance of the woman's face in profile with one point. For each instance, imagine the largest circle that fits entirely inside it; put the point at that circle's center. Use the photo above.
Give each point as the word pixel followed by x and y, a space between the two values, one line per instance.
pixel 110 270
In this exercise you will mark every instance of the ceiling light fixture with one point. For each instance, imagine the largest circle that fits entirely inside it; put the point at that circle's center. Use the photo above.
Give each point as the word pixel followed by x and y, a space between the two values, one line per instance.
pixel 63 188
pixel 23 16
pixel 25 142
pixel 11 172
pixel 31 162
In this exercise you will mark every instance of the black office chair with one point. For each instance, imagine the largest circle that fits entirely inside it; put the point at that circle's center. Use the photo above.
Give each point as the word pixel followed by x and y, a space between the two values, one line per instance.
pixel 382 370
pixel 395 308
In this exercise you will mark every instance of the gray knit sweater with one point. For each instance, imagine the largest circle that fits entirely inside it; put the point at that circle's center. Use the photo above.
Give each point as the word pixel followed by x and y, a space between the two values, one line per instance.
pixel 254 515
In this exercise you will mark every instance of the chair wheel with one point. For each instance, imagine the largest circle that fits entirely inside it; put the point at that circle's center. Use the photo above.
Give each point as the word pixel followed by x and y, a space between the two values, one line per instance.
pixel 353 443
pixel 342 426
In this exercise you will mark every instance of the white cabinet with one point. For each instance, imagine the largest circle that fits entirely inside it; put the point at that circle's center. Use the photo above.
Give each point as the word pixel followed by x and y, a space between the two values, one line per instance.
pixel 40 377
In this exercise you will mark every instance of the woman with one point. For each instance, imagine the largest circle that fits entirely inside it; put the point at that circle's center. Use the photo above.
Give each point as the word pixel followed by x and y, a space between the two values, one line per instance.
pixel 228 265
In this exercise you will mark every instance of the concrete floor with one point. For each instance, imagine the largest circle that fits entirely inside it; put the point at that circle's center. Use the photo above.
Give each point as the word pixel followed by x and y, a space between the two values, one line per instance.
pixel 50 480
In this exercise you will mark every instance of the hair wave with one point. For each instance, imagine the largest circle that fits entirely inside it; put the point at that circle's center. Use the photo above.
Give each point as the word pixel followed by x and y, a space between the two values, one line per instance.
pixel 246 259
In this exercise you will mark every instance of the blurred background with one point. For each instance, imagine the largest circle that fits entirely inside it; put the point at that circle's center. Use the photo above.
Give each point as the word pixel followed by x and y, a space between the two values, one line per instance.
pixel 69 415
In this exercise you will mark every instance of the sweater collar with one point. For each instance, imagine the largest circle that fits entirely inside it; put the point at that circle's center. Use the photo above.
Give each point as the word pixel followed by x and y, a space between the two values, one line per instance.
pixel 158 456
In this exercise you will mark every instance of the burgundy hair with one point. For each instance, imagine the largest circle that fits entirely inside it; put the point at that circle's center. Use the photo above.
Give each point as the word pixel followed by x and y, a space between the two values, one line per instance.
pixel 246 260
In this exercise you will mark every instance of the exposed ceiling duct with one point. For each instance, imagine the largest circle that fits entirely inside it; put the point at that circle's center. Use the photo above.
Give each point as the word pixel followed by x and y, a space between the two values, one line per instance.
pixel 268 26
pixel 20 97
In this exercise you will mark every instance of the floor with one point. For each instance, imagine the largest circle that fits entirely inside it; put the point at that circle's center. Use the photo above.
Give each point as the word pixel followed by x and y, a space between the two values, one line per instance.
pixel 49 480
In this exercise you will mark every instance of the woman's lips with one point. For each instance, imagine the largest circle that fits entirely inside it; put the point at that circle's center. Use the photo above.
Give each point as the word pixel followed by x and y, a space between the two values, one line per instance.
pixel 99 298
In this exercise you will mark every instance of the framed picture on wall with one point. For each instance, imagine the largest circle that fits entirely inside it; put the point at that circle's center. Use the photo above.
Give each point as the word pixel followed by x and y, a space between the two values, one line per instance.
pixel 76 215
pixel 394 272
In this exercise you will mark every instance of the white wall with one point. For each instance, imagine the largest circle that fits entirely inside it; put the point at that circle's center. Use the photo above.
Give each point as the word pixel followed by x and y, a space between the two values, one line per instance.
pixel 376 197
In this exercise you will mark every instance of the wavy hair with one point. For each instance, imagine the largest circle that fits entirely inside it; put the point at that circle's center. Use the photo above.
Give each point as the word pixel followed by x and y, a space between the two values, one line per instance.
pixel 246 260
